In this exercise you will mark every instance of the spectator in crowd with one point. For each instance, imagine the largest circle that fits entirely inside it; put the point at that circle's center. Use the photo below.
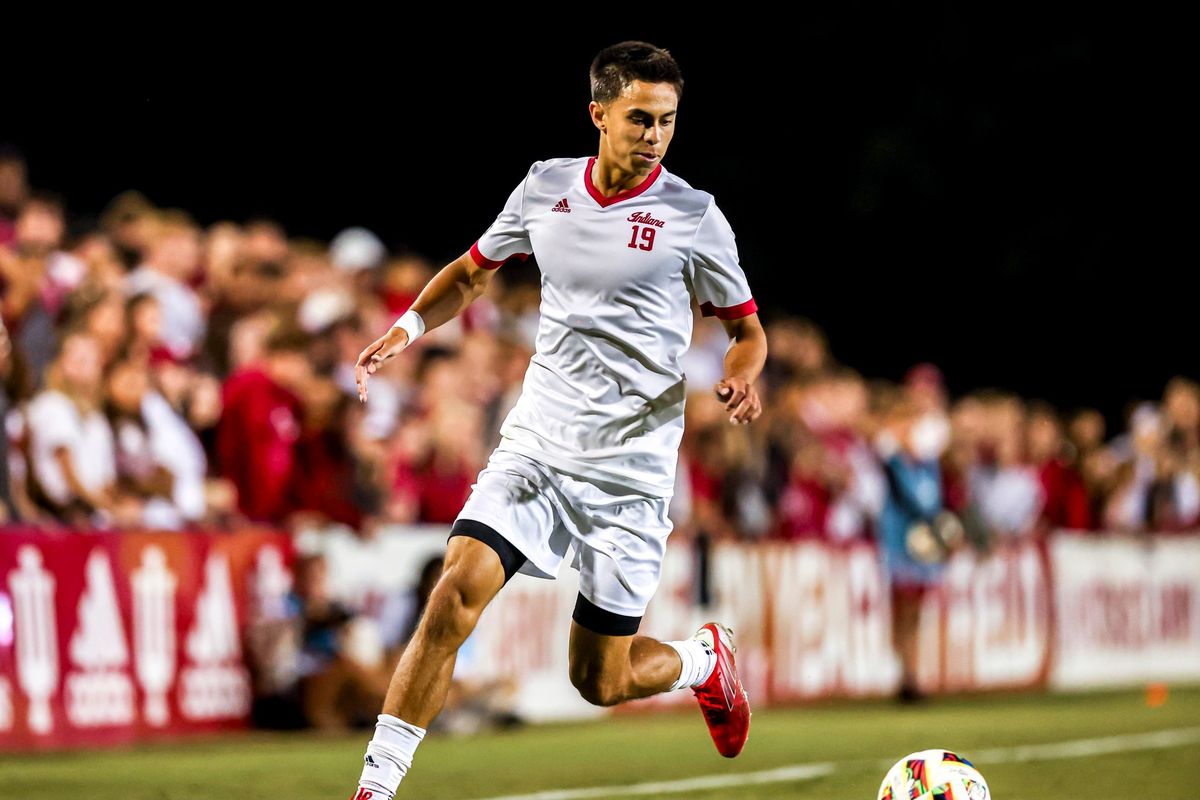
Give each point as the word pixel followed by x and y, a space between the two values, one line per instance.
pixel 100 313
pixel 8 507
pixel 925 387
pixel 143 322
pixel 438 464
pixel 172 258
pixel 71 446
pixel 1003 484
pixel 1065 502
pixel 177 445
pixel 1097 464
pixel 141 473
pixel 129 221
pixel 15 497
pixel 1127 507
pixel 327 486
pixel 35 280
pixel 260 425
pixel 14 188
pixel 853 509
pixel 1181 409
pixel 343 679
pixel 798 351
pixel 318 664
pixel 1155 484
pixel 402 280
pixel 913 531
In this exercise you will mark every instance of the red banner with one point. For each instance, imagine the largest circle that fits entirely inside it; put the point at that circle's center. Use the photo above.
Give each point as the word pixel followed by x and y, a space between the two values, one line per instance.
pixel 108 637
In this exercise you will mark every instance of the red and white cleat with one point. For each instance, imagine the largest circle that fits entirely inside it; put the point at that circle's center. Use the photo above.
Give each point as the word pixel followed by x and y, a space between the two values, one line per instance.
pixel 724 702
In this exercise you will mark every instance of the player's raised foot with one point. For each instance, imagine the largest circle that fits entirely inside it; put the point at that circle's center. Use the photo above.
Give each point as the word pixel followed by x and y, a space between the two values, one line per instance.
pixel 723 701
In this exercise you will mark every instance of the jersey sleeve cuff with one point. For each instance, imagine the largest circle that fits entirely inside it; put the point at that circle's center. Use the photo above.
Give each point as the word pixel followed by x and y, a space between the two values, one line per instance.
pixel 484 262
pixel 729 312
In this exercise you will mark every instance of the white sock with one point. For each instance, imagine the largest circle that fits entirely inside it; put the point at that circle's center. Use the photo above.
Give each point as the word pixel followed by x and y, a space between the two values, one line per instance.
pixel 389 755
pixel 698 662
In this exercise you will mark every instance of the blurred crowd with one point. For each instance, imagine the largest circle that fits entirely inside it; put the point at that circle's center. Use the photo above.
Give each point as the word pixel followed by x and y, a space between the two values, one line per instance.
pixel 159 373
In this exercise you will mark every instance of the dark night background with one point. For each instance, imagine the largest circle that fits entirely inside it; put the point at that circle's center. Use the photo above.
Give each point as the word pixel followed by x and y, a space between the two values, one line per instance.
pixel 981 193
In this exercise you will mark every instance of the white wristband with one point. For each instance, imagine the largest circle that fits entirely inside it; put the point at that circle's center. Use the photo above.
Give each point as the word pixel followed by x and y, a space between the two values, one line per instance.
pixel 412 324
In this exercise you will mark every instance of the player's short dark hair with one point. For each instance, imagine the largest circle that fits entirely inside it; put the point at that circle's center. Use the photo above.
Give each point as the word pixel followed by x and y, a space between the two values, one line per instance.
pixel 619 65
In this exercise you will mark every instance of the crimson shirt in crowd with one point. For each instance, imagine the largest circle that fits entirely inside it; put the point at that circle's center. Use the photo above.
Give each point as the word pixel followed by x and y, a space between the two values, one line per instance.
pixel 326 483
pixel 803 509
pixel 1066 499
pixel 256 443
pixel 440 490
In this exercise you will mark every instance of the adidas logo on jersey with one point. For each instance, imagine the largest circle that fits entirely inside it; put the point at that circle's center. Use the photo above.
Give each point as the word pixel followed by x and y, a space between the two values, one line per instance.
pixel 562 206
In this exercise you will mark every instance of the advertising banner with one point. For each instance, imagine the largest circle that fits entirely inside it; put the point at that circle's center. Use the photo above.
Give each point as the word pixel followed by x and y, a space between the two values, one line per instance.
pixel 109 637
pixel 1128 610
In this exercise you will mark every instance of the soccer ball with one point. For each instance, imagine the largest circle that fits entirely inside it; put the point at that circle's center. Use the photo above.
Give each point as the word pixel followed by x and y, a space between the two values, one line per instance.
pixel 934 775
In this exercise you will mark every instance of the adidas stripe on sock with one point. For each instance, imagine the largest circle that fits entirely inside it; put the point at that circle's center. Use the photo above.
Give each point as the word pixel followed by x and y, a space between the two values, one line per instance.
pixel 389 755
pixel 698 662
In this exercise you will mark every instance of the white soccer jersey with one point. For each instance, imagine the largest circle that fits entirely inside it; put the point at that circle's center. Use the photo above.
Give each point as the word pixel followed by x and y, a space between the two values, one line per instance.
pixel 604 394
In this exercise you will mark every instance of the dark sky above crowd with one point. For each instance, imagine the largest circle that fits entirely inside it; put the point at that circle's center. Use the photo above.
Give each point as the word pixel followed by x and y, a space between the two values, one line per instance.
pixel 983 193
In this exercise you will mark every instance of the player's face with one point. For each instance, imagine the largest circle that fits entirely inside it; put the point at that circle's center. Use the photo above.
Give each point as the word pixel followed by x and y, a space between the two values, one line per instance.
pixel 638 124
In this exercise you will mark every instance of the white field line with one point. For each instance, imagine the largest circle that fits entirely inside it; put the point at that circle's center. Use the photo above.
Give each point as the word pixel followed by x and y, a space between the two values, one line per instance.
pixel 1077 748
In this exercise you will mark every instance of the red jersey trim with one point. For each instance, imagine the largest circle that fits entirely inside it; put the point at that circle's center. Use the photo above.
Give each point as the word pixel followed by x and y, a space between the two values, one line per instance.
pixel 486 263
pixel 619 196
pixel 730 312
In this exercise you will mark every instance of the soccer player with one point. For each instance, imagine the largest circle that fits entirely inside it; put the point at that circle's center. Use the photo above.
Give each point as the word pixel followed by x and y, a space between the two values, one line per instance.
pixel 587 456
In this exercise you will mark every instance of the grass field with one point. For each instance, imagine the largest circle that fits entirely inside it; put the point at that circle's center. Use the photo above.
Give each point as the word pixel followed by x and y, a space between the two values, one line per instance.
pixel 1110 756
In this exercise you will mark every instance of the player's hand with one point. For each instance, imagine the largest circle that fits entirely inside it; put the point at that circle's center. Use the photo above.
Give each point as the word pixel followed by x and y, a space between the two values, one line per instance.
pixel 741 400
pixel 378 353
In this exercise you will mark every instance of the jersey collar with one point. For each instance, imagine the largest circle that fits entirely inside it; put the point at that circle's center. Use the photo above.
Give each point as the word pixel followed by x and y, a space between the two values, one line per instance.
pixel 619 196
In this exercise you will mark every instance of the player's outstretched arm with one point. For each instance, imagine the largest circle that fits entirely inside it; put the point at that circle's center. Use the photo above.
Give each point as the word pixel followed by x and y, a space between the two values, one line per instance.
pixel 450 291
pixel 743 362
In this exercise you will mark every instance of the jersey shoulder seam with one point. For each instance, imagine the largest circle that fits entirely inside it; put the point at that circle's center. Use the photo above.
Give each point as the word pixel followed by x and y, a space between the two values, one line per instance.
pixel 543 166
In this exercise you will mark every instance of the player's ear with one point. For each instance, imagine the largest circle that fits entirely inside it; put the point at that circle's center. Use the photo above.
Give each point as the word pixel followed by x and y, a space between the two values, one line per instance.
pixel 597 113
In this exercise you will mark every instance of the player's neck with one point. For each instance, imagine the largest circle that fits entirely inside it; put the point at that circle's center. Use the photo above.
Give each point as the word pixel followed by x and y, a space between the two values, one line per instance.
pixel 611 179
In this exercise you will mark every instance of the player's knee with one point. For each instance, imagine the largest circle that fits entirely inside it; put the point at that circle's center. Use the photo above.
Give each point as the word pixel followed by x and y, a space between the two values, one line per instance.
pixel 451 615
pixel 596 688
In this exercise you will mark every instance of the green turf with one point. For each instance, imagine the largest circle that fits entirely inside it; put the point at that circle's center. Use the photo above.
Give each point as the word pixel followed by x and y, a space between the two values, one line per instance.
pixel 856 736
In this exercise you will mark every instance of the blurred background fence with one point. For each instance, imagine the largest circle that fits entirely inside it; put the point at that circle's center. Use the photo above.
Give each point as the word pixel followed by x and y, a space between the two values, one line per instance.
pixel 113 637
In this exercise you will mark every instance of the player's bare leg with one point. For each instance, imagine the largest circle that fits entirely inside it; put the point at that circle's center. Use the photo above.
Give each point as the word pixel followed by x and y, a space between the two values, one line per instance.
pixel 608 670
pixel 612 669
pixel 472 576
pixel 470 579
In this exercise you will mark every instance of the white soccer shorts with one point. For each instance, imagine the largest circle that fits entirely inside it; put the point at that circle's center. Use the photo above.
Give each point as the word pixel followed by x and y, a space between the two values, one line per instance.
pixel 619 536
